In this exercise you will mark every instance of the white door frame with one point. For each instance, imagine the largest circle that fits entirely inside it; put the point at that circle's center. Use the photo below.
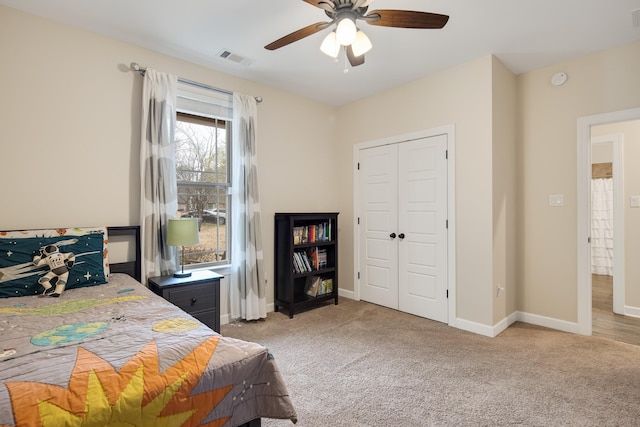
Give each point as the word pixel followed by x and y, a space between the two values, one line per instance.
pixel 449 131
pixel 617 144
pixel 584 208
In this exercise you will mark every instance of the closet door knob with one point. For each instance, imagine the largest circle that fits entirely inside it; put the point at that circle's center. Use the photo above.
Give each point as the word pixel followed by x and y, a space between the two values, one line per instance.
pixel 193 301
pixel 392 235
pixel 401 235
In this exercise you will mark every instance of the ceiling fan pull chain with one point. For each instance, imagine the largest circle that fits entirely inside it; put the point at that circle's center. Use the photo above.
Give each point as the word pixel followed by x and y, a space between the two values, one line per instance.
pixel 346 62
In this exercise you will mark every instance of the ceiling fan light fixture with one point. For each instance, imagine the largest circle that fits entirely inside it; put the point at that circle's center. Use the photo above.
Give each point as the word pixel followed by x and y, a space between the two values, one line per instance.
pixel 361 44
pixel 330 45
pixel 346 31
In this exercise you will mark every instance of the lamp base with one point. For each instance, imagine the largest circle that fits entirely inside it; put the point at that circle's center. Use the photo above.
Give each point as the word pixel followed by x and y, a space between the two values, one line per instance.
pixel 182 274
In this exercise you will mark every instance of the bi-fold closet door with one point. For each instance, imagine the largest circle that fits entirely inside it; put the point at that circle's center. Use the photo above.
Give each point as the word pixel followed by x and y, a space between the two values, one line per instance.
pixel 403 226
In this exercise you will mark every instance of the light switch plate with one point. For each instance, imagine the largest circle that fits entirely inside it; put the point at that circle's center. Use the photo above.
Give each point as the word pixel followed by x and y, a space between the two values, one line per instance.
pixel 556 200
pixel 635 201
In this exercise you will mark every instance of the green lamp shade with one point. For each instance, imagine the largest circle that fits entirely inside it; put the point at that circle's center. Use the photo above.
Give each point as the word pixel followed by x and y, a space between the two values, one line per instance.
pixel 183 232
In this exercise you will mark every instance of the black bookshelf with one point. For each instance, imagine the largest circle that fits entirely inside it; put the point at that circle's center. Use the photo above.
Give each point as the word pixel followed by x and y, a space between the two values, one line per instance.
pixel 306 260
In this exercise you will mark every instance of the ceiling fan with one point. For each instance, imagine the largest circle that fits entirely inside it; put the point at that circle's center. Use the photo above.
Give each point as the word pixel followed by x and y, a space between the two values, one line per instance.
pixel 344 14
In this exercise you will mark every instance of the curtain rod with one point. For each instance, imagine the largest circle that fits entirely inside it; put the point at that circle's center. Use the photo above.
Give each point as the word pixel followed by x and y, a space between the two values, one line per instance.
pixel 142 70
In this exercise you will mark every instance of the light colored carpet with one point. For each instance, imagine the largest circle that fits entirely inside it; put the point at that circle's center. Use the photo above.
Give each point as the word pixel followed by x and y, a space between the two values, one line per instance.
pixel 358 364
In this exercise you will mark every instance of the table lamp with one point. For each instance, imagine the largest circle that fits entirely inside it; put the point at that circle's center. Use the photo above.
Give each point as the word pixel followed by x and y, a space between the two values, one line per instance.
pixel 182 232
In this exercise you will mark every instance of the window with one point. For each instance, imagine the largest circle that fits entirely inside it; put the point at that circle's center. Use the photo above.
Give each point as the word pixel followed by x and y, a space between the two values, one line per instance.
pixel 202 141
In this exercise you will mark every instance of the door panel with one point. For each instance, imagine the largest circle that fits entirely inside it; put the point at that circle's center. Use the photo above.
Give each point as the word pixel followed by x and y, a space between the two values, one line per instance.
pixel 421 286
pixel 379 253
pixel 422 206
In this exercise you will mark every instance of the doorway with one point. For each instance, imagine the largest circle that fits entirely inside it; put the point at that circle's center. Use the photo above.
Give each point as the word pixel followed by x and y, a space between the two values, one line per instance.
pixel 587 127
pixel 607 212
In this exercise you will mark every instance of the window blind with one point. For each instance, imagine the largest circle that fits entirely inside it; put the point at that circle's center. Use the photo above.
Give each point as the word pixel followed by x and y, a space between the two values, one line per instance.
pixel 201 100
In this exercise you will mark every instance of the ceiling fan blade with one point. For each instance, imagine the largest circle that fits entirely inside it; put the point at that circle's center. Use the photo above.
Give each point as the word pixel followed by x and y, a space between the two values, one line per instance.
pixel 322 4
pixel 354 60
pixel 406 19
pixel 297 35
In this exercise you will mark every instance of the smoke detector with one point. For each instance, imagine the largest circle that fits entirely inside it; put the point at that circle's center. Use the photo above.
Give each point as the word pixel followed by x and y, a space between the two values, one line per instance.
pixel 558 79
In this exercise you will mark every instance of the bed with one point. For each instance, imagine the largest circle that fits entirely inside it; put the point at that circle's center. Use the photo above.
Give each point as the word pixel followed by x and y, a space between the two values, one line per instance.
pixel 114 353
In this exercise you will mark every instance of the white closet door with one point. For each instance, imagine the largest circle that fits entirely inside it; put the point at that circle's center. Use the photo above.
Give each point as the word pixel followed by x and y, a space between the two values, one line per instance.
pixel 422 219
pixel 379 218
pixel 403 235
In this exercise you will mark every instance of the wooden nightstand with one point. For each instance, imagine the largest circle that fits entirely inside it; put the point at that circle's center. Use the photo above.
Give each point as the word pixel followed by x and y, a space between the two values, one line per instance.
pixel 198 295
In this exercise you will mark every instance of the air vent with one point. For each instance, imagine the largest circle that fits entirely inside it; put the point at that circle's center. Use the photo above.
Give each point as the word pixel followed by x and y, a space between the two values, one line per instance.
pixel 635 16
pixel 227 55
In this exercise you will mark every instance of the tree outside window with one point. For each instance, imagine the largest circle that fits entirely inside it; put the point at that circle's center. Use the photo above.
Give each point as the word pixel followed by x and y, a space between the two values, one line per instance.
pixel 203 183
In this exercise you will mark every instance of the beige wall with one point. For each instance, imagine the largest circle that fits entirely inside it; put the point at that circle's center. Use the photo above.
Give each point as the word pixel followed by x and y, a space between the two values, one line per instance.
pixel 70 128
pixel 630 131
pixel 504 191
pixel 461 96
pixel 601 153
pixel 547 164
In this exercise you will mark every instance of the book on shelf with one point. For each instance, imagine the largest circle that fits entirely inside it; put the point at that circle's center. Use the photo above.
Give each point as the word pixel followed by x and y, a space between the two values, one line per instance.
pixel 312 286
pixel 303 262
pixel 310 260
pixel 298 234
pixel 325 286
pixel 312 233
pixel 321 255
pixel 306 261
pixel 312 254
pixel 296 264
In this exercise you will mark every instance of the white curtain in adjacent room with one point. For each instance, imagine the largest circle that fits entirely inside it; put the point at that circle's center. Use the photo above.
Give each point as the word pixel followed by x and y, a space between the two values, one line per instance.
pixel 247 295
pixel 158 198
pixel 602 226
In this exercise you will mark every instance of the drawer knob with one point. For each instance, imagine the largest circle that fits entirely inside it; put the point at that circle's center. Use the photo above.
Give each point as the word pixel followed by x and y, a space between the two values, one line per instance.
pixel 193 301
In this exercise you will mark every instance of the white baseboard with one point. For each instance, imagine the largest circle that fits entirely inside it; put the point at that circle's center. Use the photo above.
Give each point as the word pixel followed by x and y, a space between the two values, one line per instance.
pixel 631 311
pixel 476 328
pixel 547 322
pixel 346 294
pixel 518 316
pixel 502 325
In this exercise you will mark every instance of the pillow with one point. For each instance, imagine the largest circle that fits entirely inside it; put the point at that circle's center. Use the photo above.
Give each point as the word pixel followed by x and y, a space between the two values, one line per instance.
pixel 19 276
pixel 54 232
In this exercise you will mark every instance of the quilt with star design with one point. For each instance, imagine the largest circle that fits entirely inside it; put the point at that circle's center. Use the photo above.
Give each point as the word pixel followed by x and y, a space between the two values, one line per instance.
pixel 117 354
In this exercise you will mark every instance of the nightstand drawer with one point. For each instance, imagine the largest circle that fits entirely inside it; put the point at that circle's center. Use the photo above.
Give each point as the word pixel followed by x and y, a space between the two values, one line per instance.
pixel 194 298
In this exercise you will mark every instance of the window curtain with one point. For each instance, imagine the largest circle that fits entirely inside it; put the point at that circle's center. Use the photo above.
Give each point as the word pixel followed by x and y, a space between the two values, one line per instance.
pixel 248 289
pixel 158 198
pixel 602 226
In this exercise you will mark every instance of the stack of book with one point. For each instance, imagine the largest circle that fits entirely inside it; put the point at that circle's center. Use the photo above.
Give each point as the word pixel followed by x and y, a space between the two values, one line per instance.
pixel 316 286
pixel 301 263
pixel 309 260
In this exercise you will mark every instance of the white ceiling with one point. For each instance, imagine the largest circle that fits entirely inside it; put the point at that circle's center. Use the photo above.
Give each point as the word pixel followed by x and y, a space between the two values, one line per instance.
pixel 523 34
